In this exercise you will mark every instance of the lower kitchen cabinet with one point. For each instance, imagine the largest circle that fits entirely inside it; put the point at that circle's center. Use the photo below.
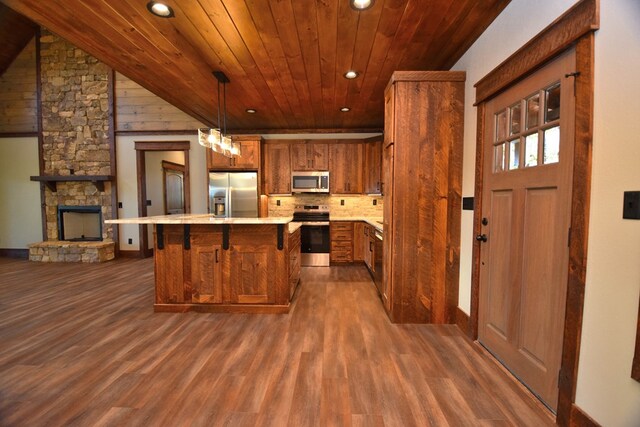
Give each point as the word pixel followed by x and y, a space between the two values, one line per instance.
pixel 194 271
pixel 359 237
pixel 294 261
pixel 341 241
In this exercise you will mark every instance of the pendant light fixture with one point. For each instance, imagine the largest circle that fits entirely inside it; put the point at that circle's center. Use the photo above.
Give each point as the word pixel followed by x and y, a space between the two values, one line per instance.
pixel 217 139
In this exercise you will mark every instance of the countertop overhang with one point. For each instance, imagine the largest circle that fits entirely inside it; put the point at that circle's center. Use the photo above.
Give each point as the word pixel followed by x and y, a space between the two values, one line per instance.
pixel 198 219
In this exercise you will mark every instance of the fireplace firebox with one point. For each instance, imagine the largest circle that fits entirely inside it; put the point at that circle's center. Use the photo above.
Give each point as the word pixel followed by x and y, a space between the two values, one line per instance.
pixel 80 223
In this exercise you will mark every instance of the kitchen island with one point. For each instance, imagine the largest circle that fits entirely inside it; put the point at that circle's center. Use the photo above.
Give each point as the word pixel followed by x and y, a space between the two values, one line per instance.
pixel 206 264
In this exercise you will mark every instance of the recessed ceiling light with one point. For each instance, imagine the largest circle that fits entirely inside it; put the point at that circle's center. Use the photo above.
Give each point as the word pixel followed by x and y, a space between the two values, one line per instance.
pixel 351 74
pixel 251 110
pixel 361 4
pixel 160 9
pixel 345 109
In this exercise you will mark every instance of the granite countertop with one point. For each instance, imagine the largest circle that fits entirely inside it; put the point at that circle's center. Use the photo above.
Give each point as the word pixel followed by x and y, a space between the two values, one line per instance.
pixel 198 219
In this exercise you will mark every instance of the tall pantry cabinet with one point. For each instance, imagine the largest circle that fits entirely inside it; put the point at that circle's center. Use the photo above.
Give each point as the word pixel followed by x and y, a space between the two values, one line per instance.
pixel 422 176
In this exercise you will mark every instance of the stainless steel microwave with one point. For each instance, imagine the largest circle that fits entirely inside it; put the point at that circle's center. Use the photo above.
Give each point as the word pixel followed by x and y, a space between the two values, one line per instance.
pixel 310 182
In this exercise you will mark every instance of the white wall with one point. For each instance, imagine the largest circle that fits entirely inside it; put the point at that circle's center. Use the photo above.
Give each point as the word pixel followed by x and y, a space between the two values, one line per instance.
pixel 20 212
pixel 127 181
pixel 605 390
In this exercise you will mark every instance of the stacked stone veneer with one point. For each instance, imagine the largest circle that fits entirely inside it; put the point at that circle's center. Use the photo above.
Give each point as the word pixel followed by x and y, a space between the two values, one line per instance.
pixel 75 131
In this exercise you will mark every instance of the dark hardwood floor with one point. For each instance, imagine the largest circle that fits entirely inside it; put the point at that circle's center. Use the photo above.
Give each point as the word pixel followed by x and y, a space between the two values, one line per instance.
pixel 81 345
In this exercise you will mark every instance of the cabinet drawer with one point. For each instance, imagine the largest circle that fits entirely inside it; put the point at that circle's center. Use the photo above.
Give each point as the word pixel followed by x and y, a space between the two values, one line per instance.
pixel 342 256
pixel 341 245
pixel 341 235
pixel 342 226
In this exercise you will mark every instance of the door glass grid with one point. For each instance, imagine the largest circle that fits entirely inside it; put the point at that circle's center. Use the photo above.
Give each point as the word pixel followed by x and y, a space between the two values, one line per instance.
pixel 537 142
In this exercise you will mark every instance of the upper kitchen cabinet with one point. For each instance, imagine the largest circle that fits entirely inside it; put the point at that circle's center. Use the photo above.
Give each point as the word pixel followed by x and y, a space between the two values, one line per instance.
pixel 422 166
pixel 277 168
pixel 372 167
pixel 345 166
pixel 249 158
pixel 309 156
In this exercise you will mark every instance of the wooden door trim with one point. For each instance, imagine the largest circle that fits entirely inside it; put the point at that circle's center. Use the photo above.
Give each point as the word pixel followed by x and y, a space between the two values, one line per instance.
pixel 574 28
pixel 581 19
pixel 141 148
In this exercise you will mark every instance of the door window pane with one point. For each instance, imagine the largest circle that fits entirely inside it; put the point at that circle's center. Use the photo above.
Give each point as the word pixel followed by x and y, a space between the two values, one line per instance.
pixel 501 125
pixel 552 145
pixel 531 150
pixel 498 158
pixel 514 154
pixel 552 101
pixel 533 111
pixel 516 113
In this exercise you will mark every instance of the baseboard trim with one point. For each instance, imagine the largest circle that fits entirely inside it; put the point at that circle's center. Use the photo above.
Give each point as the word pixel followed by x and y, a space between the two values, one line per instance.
pixel 462 320
pixel 15 253
pixel 579 418
pixel 130 254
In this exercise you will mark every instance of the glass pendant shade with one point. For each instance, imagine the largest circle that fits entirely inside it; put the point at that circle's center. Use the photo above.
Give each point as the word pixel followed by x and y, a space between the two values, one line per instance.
pixel 235 149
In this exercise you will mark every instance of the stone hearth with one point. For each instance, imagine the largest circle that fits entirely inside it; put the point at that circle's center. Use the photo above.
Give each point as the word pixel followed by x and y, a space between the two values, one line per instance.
pixel 63 251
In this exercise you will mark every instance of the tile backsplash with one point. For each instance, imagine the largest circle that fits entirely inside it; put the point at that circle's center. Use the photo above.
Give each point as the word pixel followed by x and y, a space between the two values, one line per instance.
pixel 354 205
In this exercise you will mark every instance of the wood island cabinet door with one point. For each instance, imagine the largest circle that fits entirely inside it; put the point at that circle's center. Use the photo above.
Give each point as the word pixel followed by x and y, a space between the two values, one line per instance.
pixel 251 274
pixel 206 274
pixel 169 267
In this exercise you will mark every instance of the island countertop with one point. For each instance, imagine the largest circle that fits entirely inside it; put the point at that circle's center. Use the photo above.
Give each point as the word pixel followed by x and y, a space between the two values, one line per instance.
pixel 198 219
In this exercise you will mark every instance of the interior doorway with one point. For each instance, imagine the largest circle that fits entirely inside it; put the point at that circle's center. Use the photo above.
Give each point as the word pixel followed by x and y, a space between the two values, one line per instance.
pixel 142 148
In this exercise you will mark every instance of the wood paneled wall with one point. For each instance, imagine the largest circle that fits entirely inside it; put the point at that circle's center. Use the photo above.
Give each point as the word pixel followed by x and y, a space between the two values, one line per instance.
pixel 18 106
pixel 137 109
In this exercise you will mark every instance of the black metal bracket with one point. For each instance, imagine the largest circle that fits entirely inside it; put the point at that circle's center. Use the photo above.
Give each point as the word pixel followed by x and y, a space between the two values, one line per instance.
pixel 160 236
pixel 187 237
pixel 225 237
pixel 280 236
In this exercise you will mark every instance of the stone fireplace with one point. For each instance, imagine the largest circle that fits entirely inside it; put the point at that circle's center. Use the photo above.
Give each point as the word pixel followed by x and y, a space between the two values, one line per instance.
pixel 77 154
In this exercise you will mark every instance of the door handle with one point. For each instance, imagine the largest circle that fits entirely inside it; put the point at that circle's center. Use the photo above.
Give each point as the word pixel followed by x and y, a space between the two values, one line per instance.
pixel 481 237
pixel 217 261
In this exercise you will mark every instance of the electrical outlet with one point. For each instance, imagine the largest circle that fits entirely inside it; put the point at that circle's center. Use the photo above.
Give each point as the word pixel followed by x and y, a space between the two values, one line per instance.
pixel 148 202
pixel 130 241
pixel 375 202
pixel 341 202
pixel 277 202
pixel 119 205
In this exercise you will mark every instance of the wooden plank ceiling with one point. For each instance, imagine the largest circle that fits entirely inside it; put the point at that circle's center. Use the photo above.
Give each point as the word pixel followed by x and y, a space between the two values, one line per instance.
pixel 285 58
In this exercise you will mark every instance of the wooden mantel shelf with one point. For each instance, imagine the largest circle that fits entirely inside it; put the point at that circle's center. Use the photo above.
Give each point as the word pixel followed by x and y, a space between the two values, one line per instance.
pixel 52 180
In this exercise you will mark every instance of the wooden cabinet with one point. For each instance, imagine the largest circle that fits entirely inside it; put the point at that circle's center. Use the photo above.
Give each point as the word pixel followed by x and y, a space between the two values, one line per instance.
pixel 422 173
pixel 277 168
pixel 309 156
pixel 345 164
pixel 368 244
pixel 195 271
pixel 359 237
pixel 294 261
pixel 341 241
pixel 372 167
pixel 249 159
pixel 206 268
pixel 250 274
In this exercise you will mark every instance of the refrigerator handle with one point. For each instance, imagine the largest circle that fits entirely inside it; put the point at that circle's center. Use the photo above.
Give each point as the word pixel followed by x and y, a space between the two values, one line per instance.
pixel 228 206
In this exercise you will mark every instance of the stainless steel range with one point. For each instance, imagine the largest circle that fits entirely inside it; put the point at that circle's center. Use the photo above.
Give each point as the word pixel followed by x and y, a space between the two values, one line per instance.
pixel 314 234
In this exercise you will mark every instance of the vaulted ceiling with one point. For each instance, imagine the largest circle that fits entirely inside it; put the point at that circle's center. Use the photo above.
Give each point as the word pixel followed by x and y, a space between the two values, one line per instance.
pixel 15 32
pixel 284 58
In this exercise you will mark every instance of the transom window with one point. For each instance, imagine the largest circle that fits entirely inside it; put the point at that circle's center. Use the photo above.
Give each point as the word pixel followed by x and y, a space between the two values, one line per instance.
pixel 527 133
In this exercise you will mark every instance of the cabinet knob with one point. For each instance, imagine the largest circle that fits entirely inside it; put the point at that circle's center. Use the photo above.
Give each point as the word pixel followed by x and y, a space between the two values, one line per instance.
pixel 481 237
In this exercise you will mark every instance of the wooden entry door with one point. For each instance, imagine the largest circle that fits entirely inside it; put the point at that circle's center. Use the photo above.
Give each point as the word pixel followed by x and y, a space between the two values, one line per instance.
pixel 528 152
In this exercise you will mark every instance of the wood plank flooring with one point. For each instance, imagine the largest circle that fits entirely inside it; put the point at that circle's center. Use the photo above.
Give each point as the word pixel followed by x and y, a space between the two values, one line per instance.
pixel 81 345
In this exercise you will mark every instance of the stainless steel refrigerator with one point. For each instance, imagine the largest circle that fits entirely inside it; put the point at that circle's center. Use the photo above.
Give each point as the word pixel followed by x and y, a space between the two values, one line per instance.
pixel 233 194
